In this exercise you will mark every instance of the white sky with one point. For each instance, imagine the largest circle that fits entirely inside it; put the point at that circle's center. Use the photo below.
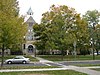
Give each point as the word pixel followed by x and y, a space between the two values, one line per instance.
pixel 41 6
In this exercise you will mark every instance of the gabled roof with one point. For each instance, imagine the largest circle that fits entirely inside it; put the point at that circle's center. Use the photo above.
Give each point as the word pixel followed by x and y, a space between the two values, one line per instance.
pixel 30 12
pixel 31 20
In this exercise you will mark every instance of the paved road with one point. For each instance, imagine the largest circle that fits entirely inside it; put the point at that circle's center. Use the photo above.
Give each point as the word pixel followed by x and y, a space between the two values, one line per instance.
pixel 63 65
pixel 30 64
pixel 80 62
pixel 55 63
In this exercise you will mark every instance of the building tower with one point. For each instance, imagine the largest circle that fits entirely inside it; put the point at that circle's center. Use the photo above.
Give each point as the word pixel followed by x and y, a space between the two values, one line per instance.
pixel 29 48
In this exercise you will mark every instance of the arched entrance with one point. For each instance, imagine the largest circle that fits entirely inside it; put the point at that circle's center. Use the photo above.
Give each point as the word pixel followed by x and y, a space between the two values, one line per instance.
pixel 30 49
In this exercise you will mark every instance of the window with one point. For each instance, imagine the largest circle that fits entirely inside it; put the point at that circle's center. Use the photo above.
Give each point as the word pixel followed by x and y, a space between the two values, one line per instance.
pixel 30 30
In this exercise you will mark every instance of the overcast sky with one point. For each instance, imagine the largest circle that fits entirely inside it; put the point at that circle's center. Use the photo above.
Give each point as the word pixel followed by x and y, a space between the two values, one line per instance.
pixel 41 6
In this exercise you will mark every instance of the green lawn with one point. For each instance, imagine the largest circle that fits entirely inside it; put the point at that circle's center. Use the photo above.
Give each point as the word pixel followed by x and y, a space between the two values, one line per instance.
pixel 32 59
pixel 27 67
pixel 87 65
pixel 61 72
pixel 12 56
pixel 69 57
pixel 97 69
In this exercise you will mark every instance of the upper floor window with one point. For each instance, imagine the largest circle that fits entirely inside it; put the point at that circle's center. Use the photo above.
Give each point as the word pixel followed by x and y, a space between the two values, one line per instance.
pixel 30 30
pixel 30 24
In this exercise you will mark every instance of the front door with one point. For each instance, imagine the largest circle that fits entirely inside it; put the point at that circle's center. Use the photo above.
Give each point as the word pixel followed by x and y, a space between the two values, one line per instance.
pixel 30 49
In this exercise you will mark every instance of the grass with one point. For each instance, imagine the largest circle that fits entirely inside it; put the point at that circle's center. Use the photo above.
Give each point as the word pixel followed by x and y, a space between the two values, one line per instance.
pixel 32 58
pixel 97 69
pixel 69 57
pixel 87 65
pixel 27 67
pixel 61 72
pixel 12 56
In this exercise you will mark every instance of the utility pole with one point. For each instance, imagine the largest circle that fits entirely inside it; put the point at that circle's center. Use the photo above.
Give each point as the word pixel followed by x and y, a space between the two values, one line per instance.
pixel 74 44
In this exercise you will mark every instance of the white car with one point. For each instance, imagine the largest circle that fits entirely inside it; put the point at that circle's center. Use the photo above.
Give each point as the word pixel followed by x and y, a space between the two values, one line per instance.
pixel 96 53
pixel 18 59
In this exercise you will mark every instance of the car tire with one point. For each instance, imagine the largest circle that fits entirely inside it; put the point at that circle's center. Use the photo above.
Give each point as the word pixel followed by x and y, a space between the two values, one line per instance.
pixel 24 62
pixel 9 62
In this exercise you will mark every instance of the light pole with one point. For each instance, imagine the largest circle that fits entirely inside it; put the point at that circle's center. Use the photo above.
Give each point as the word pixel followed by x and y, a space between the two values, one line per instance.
pixel 92 44
pixel 24 45
pixel 74 44
pixel 24 37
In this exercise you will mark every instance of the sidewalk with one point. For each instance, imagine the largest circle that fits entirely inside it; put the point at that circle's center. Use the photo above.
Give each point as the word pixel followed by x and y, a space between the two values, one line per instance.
pixel 64 67
pixel 85 70
pixel 21 70
pixel 43 60
pixel 79 69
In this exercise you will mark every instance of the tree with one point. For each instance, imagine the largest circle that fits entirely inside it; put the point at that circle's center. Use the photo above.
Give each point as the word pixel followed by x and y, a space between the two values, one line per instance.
pixel 93 19
pixel 61 27
pixel 97 37
pixel 40 36
pixel 12 28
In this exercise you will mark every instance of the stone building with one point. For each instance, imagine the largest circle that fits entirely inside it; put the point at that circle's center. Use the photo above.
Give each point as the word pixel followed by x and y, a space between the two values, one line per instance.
pixel 28 47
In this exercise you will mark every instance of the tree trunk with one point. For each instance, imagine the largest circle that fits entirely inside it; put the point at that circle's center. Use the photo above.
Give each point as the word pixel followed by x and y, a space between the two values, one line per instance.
pixel 35 52
pixel 93 42
pixel 42 52
pixel 97 49
pixel 2 62
pixel 62 55
pixel 93 50
pixel 97 52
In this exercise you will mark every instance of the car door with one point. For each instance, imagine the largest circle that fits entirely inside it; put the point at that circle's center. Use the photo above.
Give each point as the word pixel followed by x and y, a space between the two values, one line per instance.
pixel 16 60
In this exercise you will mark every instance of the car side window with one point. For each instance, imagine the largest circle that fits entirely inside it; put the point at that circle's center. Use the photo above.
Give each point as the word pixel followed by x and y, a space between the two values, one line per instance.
pixel 16 58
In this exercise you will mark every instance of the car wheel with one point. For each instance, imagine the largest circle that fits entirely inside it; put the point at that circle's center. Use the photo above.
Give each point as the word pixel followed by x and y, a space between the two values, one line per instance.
pixel 9 62
pixel 24 62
